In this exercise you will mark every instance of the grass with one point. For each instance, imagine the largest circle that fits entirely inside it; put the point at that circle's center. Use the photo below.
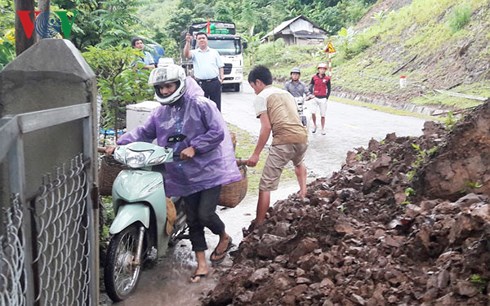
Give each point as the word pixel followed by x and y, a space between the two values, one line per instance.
pixel 385 109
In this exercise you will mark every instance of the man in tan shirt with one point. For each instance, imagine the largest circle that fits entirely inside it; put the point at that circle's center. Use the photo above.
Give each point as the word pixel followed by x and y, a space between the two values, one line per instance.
pixel 277 112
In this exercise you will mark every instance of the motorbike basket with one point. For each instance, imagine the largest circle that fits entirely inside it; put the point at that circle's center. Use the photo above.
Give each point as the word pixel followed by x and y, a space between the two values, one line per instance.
pixel 109 169
pixel 232 194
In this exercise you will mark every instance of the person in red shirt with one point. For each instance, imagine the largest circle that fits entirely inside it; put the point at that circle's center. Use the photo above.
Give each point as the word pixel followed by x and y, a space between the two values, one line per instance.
pixel 320 87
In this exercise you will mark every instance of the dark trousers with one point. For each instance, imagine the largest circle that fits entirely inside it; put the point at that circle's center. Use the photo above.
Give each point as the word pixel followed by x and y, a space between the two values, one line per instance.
pixel 212 90
pixel 200 208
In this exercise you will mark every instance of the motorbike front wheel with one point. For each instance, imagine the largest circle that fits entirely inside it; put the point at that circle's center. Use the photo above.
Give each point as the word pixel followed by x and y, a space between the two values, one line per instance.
pixel 122 268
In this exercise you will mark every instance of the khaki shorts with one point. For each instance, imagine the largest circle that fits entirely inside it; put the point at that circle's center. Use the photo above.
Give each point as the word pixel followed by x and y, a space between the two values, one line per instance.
pixel 318 105
pixel 279 156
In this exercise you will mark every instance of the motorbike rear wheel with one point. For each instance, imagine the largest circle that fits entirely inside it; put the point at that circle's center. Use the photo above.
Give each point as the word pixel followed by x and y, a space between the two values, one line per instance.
pixel 122 268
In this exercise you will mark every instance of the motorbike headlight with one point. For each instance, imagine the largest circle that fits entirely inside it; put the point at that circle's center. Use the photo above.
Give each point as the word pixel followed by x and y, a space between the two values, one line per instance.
pixel 137 159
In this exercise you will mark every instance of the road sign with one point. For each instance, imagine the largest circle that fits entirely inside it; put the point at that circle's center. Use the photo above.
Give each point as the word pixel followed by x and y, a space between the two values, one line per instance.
pixel 330 48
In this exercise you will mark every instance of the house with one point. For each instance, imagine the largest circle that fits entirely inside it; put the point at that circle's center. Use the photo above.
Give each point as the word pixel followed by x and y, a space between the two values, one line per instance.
pixel 297 31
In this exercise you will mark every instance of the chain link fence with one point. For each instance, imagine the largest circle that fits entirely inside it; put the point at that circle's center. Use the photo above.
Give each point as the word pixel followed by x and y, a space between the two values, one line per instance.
pixel 12 257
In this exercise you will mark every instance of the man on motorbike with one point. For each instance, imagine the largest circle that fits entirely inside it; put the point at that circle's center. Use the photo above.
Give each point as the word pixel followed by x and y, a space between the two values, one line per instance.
pixel 299 91
pixel 193 127
pixel 294 86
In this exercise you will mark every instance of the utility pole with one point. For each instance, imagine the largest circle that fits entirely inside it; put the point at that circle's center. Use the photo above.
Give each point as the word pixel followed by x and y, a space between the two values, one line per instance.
pixel 24 40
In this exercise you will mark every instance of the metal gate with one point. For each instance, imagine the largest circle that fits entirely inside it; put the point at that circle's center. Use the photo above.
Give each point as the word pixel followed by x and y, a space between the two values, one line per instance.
pixel 48 244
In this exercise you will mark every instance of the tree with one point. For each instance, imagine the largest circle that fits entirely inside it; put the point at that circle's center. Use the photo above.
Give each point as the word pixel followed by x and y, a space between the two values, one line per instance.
pixel 119 82
pixel 23 40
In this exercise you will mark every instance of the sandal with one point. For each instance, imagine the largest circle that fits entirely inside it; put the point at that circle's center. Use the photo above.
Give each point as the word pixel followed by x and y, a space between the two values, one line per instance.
pixel 219 257
pixel 196 278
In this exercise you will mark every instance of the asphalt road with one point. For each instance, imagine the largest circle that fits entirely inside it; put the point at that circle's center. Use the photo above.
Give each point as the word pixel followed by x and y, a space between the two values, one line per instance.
pixel 347 127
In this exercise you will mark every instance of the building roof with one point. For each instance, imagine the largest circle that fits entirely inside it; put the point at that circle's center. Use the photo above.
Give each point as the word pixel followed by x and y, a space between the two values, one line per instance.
pixel 287 23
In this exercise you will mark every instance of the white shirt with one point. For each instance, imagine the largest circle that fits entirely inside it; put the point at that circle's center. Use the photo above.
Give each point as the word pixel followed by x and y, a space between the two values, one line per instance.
pixel 206 63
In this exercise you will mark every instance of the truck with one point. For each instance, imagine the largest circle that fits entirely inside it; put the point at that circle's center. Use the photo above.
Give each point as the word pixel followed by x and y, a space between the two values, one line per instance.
pixel 223 38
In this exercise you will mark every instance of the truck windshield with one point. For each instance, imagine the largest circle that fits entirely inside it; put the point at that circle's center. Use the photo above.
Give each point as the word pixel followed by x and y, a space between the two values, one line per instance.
pixel 226 47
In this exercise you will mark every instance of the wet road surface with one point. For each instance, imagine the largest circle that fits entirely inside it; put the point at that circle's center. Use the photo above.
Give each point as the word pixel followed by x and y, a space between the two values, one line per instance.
pixel 347 127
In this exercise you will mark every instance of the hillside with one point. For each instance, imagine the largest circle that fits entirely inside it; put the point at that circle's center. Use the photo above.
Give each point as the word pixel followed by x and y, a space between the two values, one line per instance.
pixel 438 45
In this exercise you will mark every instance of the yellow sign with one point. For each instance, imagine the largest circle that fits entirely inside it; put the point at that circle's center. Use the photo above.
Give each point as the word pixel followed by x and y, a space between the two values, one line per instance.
pixel 330 48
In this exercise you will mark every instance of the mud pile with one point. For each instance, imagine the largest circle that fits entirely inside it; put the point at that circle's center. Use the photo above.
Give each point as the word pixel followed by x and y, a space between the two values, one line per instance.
pixel 374 233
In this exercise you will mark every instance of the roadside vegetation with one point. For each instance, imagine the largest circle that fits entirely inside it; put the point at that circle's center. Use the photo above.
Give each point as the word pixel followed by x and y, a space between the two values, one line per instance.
pixel 442 43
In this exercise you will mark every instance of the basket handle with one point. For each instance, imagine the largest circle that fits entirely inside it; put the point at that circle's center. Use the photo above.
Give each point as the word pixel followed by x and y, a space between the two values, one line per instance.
pixel 241 162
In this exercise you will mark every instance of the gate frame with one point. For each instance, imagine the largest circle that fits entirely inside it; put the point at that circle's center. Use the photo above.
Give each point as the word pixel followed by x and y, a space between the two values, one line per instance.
pixel 12 129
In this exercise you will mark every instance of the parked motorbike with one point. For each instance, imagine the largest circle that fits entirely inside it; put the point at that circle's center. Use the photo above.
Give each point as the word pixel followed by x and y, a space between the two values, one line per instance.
pixel 142 229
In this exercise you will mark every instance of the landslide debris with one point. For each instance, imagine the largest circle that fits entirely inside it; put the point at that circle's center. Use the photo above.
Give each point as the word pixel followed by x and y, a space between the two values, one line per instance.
pixel 389 228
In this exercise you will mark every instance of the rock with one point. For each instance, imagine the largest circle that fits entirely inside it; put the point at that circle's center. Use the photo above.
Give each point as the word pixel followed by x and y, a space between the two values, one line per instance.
pixel 307 245
pixel 259 276
pixel 443 279
pixel 466 288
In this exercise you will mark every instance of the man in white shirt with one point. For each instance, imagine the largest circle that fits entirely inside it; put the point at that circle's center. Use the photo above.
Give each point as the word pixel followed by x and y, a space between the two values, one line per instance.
pixel 208 66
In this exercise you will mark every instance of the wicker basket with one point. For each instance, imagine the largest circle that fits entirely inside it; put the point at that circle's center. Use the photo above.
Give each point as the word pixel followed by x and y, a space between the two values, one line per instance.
pixel 232 194
pixel 109 169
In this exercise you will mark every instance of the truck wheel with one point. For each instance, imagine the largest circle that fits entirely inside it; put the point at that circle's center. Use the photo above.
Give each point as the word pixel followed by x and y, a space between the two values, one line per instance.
pixel 121 274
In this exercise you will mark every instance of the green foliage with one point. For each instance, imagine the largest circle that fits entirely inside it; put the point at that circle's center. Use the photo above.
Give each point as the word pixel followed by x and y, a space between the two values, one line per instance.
pixel 119 82
pixel 7 51
pixel 460 17
pixel 7 15
pixel 450 121
pixel 409 191
pixel 7 38
pixel 479 281
pixel 103 23
pixel 473 185
pixel 420 158
pixel 107 212
pixel 178 24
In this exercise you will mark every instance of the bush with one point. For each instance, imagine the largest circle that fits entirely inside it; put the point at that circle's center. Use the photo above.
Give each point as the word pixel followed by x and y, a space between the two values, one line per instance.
pixel 460 17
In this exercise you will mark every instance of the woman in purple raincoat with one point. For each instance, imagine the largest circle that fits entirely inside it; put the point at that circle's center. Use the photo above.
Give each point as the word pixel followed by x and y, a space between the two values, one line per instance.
pixel 195 129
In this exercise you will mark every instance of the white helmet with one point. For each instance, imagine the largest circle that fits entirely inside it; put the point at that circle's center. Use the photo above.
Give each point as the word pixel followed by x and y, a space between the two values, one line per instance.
pixel 322 65
pixel 165 61
pixel 168 74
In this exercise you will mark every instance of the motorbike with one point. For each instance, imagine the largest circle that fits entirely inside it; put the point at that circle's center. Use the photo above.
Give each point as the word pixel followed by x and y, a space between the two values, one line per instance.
pixel 146 222
pixel 300 105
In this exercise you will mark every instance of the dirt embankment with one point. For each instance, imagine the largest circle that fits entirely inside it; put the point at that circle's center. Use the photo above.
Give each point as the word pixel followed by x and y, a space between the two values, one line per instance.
pixel 458 63
pixel 405 221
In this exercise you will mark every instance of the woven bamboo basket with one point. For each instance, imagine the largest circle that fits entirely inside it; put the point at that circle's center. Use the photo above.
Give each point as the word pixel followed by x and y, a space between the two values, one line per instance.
pixel 108 171
pixel 232 194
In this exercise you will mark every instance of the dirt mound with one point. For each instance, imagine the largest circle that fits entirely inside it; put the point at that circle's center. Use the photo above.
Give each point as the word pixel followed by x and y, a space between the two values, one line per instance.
pixel 365 237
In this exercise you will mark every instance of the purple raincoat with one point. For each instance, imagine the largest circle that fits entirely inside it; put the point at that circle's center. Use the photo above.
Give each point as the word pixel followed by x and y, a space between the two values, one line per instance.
pixel 205 130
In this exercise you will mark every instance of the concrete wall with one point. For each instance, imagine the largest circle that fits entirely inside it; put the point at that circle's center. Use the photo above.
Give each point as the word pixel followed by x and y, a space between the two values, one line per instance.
pixel 50 74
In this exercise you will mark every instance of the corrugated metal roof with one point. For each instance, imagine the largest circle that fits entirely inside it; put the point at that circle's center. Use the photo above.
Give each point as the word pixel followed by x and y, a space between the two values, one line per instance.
pixel 287 23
